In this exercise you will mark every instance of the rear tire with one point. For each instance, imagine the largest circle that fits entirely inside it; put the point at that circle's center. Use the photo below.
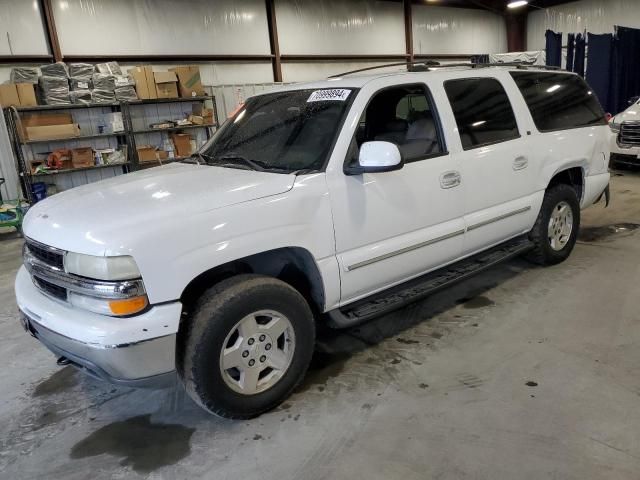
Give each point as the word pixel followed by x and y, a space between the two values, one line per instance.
pixel 247 345
pixel 556 229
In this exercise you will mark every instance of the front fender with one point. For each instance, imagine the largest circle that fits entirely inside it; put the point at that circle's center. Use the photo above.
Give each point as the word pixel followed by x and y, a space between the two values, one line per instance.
pixel 298 218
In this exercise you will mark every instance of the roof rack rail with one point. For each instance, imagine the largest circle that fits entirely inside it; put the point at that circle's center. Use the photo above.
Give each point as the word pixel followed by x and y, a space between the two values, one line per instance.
pixel 428 65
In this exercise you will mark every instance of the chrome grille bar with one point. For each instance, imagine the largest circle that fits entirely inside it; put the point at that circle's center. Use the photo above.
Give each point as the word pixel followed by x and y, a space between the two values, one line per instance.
pixel 629 134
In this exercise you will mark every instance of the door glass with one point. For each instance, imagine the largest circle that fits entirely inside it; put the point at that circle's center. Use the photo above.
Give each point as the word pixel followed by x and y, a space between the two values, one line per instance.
pixel 403 116
pixel 482 111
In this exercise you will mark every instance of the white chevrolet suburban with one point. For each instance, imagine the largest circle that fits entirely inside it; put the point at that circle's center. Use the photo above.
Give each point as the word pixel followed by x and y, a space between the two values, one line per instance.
pixel 334 202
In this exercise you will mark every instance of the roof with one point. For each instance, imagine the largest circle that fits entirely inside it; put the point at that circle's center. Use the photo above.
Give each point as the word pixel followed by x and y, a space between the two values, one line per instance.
pixel 359 80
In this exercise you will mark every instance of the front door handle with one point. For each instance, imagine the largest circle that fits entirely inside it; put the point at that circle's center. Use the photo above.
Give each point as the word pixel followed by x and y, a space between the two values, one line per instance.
pixel 520 162
pixel 450 179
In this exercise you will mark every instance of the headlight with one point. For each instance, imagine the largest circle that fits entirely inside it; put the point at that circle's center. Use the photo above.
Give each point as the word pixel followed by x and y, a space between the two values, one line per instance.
pixel 615 127
pixel 101 268
pixel 120 307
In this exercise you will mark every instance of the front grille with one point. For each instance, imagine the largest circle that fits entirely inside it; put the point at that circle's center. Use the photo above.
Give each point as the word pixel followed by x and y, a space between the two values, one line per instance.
pixel 46 255
pixel 629 133
pixel 51 289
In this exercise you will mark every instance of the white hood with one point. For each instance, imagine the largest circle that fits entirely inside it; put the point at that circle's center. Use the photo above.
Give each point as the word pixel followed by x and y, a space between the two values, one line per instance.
pixel 105 216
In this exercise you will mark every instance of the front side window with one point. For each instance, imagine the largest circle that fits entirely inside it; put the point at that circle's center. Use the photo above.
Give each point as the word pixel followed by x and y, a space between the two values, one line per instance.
pixel 482 110
pixel 281 132
pixel 559 101
pixel 405 116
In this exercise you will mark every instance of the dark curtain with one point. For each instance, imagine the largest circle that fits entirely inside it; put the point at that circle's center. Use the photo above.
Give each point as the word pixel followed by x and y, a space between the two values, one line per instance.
pixel 571 38
pixel 625 68
pixel 554 48
pixel 578 62
pixel 599 67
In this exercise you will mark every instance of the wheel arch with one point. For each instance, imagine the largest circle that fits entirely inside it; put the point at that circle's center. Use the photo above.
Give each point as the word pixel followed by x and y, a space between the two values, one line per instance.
pixel 572 176
pixel 295 266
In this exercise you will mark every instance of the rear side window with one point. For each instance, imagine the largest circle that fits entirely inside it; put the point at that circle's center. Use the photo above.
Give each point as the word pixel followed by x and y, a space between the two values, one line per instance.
pixel 559 101
pixel 482 111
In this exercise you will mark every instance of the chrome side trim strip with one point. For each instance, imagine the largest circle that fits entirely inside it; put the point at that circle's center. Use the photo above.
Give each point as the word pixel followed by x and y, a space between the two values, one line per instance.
pixel 404 250
pixel 497 219
pixel 85 286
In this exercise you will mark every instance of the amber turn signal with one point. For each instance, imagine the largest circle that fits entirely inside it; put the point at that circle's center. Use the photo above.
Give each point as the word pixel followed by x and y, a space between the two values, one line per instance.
pixel 128 306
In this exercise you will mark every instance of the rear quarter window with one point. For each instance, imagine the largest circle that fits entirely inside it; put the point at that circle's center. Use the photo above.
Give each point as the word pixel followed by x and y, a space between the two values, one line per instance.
pixel 559 101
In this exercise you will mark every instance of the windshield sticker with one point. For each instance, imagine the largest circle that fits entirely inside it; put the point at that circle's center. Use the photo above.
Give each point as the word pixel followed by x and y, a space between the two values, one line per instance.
pixel 336 94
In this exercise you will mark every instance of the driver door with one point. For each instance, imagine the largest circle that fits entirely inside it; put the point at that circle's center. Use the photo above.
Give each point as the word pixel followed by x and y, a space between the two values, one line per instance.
pixel 392 226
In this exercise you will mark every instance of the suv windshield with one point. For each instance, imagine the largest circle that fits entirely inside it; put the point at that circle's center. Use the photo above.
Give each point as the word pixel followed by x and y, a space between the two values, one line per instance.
pixel 281 132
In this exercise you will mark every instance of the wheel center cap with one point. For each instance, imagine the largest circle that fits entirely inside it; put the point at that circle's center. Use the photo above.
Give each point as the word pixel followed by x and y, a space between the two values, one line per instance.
pixel 256 350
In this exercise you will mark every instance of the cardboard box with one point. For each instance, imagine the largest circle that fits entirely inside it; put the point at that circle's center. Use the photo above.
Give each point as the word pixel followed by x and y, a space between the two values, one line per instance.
pixel 199 110
pixel 9 95
pixel 27 94
pixel 196 119
pixel 189 83
pixel 82 157
pixel 42 120
pixel 149 153
pixel 166 84
pixel 53 132
pixel 182 144
pixel 145 83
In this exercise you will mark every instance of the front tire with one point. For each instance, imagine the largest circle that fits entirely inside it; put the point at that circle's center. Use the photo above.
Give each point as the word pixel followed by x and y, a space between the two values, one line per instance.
pixel 556 229
pixel 247 345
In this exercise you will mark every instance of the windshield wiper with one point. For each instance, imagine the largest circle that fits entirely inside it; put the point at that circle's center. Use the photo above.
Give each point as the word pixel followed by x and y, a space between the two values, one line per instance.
pixel 231 157
pixel 198 157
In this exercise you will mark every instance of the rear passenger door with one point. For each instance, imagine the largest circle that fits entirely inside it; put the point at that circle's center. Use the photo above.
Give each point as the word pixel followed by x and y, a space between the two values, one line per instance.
pixel 497 163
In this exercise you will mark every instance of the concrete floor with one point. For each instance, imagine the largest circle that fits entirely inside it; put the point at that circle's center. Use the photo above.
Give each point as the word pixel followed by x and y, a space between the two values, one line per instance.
pixel 520 373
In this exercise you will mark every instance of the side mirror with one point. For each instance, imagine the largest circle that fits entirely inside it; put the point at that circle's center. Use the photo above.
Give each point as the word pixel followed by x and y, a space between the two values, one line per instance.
pixel 376 157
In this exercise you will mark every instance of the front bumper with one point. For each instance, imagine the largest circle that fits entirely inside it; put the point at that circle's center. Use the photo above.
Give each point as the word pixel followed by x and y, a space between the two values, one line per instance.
pixel 626 154
pixel 137 351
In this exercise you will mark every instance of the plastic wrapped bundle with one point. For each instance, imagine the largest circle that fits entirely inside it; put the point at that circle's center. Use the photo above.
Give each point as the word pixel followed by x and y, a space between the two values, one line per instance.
pixel 80 83
pixel 102 81
pixel 126 94
pixel 109 68
pixel 54 90
pixel 58 69
pixel 124 80
pixel 56 97
pixel 81 70
pixel 103 96
pixel 81 96
pixel 24 75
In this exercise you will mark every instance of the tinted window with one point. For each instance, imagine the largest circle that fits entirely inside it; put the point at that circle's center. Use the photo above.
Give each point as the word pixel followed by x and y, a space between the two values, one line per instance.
pixel 482 110
pixel 558 101
pixel 283 131
pixel 403 116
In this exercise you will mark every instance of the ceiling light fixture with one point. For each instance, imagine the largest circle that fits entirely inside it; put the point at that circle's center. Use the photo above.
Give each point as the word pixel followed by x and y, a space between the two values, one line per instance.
pixel 517 3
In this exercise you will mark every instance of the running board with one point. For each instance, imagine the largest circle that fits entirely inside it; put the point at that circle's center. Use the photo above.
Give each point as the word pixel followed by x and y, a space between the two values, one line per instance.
pixel 421 287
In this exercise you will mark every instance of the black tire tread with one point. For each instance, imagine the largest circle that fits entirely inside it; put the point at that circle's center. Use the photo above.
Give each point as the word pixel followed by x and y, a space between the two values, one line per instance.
pixel 539 254
pixel 214 300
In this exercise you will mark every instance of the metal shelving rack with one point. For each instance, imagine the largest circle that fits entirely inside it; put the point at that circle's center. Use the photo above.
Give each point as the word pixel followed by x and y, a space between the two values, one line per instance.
pixel 125 138
pixel 134 119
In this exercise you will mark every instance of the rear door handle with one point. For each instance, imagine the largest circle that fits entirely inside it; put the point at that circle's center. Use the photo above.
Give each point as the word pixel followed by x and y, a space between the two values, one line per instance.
pixel 520 162
pixel 450 179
